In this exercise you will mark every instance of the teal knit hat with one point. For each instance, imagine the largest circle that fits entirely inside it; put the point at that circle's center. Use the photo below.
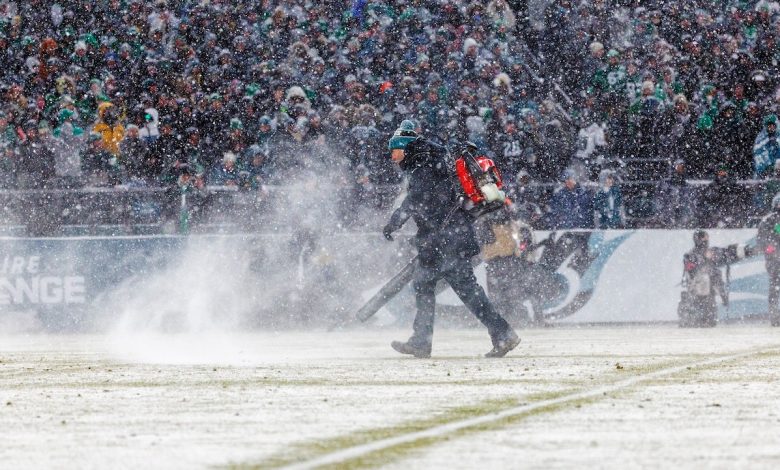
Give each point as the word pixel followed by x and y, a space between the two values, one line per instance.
pixel 402 136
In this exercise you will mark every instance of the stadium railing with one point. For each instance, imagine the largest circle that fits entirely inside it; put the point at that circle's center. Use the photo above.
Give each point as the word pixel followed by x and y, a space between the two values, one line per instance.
pixel 125 210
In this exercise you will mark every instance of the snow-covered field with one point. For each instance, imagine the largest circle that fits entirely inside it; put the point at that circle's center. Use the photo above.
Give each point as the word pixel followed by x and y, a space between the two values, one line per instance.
pixel 566 398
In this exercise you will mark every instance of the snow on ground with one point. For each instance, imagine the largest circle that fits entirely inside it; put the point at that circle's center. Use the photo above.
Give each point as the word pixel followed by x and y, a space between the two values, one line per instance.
pixel 272 399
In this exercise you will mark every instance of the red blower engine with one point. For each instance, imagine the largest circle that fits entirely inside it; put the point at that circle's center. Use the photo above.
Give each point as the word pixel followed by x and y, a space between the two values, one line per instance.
pixel 480 180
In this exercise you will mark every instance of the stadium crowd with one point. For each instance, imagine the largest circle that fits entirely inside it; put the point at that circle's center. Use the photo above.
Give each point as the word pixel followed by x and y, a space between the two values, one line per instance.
pixel 591 97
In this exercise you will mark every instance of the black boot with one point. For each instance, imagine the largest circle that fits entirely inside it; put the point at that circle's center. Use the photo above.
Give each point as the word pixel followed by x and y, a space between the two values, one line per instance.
pixel 504 343
pixel 418 351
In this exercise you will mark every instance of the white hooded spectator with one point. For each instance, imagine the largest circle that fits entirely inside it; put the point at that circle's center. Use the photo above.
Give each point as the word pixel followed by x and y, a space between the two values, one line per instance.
pixel 772 8
pixel 297 97
pixel 149 131
pixel 503 82
pixel 590 140
pixel 597 49
pixel 33 65
pixel 470 47
pixel 501 14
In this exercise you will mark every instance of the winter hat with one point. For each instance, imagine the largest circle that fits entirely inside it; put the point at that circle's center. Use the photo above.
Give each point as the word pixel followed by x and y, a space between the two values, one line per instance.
pixel 502 79
pixel 776 201
pixel 596 46
pixel 253 150
pixel 469 43
pixel 770 119
pixel 229 157
pixel 64 115
pixel 295 91
pixel 252 89
pixel 604 174
pixel 613 53
pixel 236 124
pixel 403 135
pixel 680 98
pixel 569 174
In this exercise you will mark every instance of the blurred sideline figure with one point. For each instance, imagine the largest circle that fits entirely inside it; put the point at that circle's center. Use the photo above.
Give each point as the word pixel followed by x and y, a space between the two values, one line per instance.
pixel 703 280
pixel 769 243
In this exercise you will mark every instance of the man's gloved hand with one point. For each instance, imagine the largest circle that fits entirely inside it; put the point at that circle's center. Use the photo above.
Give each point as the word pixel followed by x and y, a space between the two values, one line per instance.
pixel 388 232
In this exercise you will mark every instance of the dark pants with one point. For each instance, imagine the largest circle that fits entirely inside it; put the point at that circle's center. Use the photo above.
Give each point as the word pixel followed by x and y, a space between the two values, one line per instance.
pixel 698 311
pixel 460 276
pixel 774 293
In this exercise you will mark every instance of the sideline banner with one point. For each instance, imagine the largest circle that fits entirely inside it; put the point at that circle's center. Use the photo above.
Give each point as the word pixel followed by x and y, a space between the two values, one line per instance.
pixel 634 276
pixel 602 276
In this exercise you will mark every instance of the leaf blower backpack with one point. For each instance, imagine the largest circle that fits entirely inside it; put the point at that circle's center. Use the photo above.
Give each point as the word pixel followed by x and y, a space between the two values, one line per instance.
pixel 480 180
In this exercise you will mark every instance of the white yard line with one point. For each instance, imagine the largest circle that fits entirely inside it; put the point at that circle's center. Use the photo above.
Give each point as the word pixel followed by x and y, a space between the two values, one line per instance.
pixel 357 451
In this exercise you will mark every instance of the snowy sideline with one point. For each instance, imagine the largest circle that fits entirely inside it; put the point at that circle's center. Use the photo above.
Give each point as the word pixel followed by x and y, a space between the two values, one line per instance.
pixel 607 397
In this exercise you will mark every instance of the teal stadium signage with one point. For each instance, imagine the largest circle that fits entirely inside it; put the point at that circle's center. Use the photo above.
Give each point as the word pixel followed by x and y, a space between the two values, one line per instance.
pixel 25 281
pixel 613 276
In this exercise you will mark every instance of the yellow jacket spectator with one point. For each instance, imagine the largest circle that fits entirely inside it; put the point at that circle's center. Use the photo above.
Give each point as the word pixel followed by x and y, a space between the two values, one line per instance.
pixel 109 128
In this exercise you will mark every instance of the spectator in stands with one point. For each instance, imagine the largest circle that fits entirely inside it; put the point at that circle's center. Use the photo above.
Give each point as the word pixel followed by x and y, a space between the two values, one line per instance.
pixel 508 149
pixel 646 112
pixel 36 160
pixel 8 160
pixel 97 161
pixel 556 148
pixel 168 147
pixel 67 145
pixel 522 190
pixel 202 63
pixel 110 129
pixel 766 150
pixel 726 134
pixel 676 130
pixel 675 199
pixel 265 134
pixel 133 150
pixel 226 173
pixel 254 174
pixel 771 188
pixel 7 132
pixel 608 202
pixel 591 146
pixel 149 130
pixel 571 205
pixel 723 203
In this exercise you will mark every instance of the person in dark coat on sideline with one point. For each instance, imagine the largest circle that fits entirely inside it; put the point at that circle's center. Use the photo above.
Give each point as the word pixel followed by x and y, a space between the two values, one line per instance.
pixel 445 242
pixel 703 280
pixel 571 206
pixel 769 242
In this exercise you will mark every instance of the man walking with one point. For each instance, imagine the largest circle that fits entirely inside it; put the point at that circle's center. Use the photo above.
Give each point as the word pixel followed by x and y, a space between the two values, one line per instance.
pixel 445 242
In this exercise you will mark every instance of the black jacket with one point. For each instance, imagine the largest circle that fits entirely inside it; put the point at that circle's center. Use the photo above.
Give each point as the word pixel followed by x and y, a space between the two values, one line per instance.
pixel 444 229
